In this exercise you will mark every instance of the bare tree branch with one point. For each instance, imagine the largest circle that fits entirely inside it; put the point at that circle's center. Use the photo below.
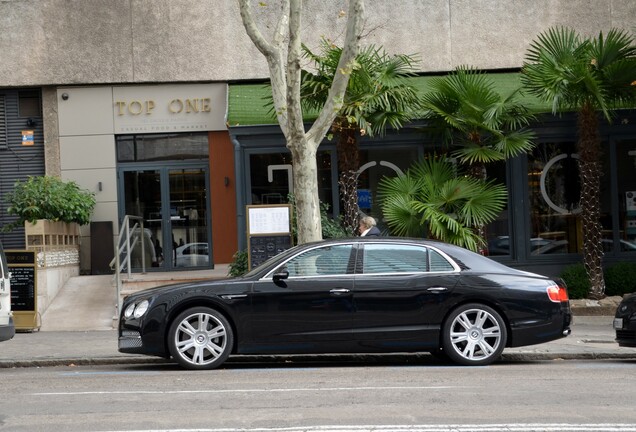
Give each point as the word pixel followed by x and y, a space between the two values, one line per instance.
pixel 294 112
pixel 285 76
pixel 273 53
pixel 339 85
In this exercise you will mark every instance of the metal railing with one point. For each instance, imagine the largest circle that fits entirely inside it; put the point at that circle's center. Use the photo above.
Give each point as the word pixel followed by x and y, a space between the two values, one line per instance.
pixel 126 242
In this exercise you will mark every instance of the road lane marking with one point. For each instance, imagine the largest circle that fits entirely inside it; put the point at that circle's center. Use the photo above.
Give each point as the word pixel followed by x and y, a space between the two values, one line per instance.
pixel 108 373
pixel 279 390
pixel 512 427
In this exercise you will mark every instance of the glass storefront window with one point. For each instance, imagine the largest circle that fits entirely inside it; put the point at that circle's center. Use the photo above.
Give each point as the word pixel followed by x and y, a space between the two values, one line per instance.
pixel 170 196
pixel 175 230
pixel 160 147
pixel 497 232
pixel 626 166
pixel 375 164
pixel 554 194
pixel 271 178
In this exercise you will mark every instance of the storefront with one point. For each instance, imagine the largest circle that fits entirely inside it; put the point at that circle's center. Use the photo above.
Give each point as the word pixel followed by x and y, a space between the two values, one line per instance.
pixel 160 153
pixel 540 228
pixel 164 153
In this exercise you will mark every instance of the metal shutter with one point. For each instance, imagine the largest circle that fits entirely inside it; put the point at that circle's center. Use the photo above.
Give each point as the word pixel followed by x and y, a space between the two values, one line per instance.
pixel 17 162
pixel 3 124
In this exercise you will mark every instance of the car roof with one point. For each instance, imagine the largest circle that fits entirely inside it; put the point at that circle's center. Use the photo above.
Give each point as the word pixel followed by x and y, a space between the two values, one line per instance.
pixel 466 259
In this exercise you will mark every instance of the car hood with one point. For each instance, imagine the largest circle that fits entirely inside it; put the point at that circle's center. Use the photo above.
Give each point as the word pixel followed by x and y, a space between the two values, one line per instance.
pixel 222 284
pixel 629 300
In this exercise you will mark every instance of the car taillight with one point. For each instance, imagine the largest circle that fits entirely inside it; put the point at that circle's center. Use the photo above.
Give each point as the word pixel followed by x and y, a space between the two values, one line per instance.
pixel 557 293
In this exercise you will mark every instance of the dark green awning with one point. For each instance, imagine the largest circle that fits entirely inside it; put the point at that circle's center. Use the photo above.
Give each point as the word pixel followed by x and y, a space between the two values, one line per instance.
pixel 247 103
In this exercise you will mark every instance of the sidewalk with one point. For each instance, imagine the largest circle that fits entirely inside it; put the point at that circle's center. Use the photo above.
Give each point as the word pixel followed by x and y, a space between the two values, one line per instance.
pixel 592 338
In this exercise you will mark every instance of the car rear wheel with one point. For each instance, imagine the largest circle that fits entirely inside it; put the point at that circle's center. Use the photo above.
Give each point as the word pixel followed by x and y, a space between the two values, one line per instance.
pixel 474 335
pixel 200 338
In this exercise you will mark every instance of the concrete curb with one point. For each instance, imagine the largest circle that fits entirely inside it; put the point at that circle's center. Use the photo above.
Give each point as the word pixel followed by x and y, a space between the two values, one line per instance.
pixel 300 360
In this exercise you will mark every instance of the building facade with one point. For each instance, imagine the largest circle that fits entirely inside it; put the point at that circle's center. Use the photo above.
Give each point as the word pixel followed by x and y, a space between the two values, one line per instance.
pixel 155 107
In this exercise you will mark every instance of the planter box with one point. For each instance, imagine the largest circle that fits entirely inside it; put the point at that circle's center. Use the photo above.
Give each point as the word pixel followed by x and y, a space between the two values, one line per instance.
pixel 46 234
pixel 56 243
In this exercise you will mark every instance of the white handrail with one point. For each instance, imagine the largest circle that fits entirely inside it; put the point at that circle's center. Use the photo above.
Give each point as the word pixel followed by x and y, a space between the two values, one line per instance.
pixel 126 248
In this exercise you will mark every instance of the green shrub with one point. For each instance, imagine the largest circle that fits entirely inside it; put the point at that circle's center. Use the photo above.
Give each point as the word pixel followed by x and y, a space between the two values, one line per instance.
pixel 50 198
pixel 620 279
pixel 577 281
pixel 331 228
pixel 239 264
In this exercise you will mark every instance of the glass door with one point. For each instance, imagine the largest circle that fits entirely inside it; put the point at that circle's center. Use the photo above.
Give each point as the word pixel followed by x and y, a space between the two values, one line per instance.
pixel 188 217
pixel 173 202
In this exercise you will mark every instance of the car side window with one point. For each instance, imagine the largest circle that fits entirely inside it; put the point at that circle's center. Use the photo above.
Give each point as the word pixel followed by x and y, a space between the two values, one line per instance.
pixel 387 258
pixel 438 262
pixel 331 260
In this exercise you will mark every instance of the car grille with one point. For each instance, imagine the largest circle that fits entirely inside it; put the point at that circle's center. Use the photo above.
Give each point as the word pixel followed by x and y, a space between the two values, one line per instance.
pixel 130 339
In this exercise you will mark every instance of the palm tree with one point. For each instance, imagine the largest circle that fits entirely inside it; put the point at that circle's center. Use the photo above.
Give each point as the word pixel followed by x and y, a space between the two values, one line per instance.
pixel 377 97
pixel 478 122
pixel 586 75
pixel 433 200
pixel 482 125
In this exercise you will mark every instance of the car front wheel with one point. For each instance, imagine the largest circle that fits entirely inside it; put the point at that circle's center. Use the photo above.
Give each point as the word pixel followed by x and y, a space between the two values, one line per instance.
pixel 200 338
pixel 474 335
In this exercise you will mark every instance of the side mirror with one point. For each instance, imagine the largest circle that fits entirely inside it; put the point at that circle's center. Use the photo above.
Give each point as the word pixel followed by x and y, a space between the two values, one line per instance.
pixel 281 273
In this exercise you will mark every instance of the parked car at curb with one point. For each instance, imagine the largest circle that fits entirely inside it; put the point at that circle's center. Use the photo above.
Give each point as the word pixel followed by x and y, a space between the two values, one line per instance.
pixel 625 321
pixel 192 255
pixel 7 326
pixel 361 295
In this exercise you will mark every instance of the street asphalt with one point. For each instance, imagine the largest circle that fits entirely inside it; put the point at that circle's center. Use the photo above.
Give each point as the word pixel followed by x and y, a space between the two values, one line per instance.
pixel 592 338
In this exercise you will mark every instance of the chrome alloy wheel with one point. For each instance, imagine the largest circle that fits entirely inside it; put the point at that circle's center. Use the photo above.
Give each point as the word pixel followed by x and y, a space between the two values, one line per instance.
pixel 474 335
pixel 200 338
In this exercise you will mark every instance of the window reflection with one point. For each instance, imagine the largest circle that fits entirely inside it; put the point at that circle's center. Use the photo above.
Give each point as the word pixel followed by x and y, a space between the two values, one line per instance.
pixel 626 166
pixel 554 193
pixel 158 147
pixel 271 178
pixel 375 164
pixel 497 232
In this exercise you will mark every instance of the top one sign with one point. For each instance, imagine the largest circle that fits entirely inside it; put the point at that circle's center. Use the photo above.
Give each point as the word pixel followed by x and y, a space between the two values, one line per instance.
pixel 163 109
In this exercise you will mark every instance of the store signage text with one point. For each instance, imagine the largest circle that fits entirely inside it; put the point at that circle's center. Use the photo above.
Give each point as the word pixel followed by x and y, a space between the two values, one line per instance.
pixel 174 106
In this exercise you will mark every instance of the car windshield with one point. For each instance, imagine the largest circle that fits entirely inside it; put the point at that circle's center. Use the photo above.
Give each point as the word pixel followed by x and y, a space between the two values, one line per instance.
pixel 268 263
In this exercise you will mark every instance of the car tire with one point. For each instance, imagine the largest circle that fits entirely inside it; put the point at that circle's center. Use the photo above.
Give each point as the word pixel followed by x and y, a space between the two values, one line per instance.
pixel 474 335
pixel 200 338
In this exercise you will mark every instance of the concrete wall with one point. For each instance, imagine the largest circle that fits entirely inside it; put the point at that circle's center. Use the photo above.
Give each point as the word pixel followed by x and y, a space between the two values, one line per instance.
pixel 87 152
pixel 49 282
pixel 65 42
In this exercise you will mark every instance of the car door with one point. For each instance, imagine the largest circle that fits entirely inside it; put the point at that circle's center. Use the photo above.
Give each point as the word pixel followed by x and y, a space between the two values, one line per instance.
pixel 309 310
pixel 400 294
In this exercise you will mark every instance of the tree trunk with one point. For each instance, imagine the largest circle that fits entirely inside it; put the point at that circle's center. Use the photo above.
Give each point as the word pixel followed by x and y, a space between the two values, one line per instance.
pixel 348 165
pixel 478 170
pixel 589 148
pixel 284 66
pixel 305 191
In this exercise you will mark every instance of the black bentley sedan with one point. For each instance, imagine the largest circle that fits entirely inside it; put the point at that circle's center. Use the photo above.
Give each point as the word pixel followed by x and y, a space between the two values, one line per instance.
pixel 625 322
pixel 361 295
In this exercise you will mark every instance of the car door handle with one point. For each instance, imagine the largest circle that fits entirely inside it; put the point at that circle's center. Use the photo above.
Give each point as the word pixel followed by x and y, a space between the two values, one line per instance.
pixel 437 289
pixel 233 296
pixel 339 291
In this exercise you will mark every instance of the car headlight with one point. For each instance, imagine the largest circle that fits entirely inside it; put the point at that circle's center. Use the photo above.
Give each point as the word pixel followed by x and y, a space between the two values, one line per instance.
pixel 136 310
pixel 141 309
pixel 129 310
